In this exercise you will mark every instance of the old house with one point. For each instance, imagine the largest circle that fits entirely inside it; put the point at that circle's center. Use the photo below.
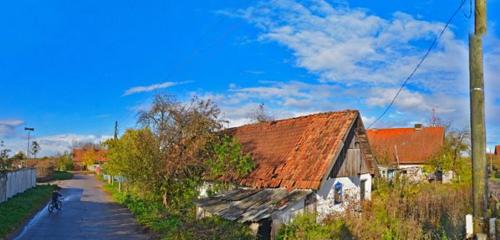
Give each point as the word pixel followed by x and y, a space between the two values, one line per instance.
pixel 406 150
pixel 318 163
pixel 79 154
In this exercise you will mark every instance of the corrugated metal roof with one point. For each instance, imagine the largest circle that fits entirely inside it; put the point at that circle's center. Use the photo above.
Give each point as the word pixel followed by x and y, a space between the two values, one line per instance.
pixel 294 153
pixel 250 205
pixel 410 145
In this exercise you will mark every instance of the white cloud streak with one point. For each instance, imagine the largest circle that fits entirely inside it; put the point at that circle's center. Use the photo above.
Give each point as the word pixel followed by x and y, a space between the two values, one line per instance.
pixel 150 88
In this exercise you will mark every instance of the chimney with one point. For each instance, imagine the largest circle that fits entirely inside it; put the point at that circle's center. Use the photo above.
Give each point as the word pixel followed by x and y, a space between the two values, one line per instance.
pixel 418 126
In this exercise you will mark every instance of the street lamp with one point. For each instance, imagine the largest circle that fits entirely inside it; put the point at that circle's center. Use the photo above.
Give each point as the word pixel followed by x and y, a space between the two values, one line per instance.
pixel 28 150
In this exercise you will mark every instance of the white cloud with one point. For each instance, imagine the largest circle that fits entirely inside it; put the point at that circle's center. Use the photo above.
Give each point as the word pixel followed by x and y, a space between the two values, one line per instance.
pixel 351 46
pixel 367 57
pixel 54 144
pixel 150 88
pixel 8 127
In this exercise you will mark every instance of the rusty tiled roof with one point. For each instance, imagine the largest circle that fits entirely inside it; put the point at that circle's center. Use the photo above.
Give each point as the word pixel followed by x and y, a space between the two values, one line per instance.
pixel 78 154
pixel 410 145
pixel 294 153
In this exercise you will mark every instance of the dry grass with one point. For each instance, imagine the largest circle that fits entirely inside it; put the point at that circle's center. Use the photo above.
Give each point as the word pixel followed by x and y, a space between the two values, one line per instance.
pixel 397 211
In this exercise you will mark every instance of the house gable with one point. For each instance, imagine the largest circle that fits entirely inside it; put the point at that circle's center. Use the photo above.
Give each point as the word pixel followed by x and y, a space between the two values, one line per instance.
pixel 295 153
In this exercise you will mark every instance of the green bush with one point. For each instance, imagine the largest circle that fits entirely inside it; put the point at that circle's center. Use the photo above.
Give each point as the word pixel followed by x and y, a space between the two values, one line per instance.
pixel 62 175
pixel 16 210
pixel 152 214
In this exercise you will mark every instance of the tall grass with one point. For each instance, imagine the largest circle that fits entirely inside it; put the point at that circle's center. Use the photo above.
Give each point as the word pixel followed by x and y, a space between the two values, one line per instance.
pixel 398 210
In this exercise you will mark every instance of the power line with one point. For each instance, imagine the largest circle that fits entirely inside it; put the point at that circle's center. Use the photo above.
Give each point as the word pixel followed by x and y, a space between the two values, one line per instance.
pixel 412 73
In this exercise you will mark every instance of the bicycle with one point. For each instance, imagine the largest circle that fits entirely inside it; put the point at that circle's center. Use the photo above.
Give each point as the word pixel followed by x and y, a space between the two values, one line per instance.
pixel 57 205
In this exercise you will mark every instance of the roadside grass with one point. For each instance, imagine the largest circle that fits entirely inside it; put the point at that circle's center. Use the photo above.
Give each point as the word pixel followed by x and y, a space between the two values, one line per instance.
pixel 62 175
pixel 16 210
pixel 154 216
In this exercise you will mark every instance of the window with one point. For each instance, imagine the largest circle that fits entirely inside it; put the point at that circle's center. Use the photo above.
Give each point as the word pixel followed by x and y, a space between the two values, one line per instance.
pixel 338 193
pixel 362 190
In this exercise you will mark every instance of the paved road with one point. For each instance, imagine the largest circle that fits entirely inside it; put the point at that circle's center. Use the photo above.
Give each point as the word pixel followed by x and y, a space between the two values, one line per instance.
pixel 88 213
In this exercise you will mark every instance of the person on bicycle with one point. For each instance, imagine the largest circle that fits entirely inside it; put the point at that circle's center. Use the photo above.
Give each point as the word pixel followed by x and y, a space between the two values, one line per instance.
pixel 55 196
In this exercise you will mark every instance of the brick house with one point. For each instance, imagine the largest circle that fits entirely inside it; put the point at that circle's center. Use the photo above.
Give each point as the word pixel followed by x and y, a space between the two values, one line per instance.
pixel 317 163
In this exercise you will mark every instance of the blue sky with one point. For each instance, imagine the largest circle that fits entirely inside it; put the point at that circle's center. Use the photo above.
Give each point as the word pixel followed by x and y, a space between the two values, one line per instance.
pixel 71 68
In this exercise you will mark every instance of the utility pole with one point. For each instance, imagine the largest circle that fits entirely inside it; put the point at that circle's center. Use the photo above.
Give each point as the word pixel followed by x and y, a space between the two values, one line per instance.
pixel 478 131
pixel 28 149
pixel 116 130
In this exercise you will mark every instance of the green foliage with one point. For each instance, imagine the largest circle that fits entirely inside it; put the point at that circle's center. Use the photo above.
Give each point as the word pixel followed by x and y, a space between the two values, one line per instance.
pixel 62 175
pixel 451 157
pixel 154 215
pixel 304 226
pixel 228 160
pixel 5 161
pixel 177 146
pixel 64 162
pixel 19 156
pixel 35 148
pixel 14 211
pixel 135 156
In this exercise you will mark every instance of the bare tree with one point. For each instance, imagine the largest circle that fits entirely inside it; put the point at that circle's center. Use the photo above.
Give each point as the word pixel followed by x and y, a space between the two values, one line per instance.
pixel 185 133
pixel 260 114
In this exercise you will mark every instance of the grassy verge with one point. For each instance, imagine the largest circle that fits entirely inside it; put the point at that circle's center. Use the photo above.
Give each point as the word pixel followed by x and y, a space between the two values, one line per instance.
pixel 16 210
pixel 154 216
pixel 62 175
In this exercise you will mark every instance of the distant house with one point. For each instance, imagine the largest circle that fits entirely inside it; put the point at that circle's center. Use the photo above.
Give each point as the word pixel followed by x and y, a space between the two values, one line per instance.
pixel 79 156
pixel 317 163
pixel 405 150
pixel 497 151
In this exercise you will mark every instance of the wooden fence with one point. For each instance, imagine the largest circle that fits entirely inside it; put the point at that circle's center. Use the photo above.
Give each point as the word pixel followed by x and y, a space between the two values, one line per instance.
pixel 14 182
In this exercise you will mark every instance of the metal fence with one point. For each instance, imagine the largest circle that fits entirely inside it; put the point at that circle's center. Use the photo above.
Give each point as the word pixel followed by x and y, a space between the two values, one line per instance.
pixel 14 182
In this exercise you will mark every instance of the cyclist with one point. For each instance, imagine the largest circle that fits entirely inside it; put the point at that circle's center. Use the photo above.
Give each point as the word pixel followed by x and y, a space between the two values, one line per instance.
pixel 55 198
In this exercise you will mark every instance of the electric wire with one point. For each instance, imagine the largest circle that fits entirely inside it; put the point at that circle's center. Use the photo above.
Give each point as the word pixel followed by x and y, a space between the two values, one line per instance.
pixel 424 57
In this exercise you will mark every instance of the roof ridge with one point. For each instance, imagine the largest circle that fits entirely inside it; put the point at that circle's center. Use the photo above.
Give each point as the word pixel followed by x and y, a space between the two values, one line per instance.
pixel 298 117
pixel 404 128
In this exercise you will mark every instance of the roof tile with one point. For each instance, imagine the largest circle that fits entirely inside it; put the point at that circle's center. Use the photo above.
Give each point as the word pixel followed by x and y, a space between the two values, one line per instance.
pixel 412 145
pixel 293 153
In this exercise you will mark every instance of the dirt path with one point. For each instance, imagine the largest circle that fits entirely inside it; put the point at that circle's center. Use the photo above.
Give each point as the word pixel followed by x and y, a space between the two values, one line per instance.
pixel 88 213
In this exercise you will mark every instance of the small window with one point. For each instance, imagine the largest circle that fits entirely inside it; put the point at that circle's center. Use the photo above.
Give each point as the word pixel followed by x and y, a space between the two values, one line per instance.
pixel 338 193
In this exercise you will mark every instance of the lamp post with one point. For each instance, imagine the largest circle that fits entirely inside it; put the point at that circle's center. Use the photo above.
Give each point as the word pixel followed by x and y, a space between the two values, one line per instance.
pixel 28 149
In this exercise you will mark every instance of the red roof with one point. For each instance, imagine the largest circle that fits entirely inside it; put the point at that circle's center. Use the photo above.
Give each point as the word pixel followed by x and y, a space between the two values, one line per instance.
pixel 294 153
pixel 410 145
pixel 497 150
pixel 78 154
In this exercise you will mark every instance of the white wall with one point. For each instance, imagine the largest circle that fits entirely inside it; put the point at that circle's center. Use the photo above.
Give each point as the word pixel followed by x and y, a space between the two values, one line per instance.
pixel 325 196
pixel 287 214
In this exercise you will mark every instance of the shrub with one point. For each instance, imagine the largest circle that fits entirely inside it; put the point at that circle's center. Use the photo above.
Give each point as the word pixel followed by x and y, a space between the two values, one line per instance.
pixel 151 213
pixel 62 175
